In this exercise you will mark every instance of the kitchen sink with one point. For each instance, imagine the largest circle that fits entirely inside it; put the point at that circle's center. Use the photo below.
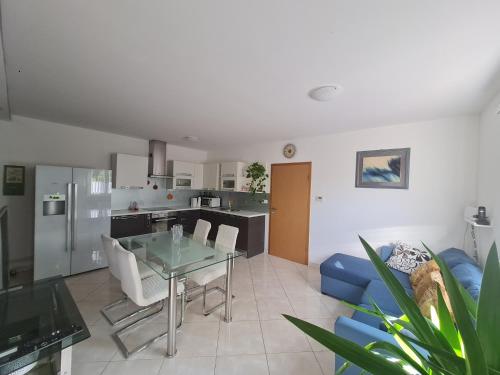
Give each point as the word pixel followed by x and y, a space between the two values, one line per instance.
pixel 229 209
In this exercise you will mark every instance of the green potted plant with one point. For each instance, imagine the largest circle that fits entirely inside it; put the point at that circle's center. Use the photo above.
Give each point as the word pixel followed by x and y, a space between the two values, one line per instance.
pixel 257 172
pixel 463 343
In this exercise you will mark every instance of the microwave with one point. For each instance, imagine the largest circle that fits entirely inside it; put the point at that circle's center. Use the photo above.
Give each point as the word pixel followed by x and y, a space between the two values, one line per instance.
pixel 228 183
pixel 210 202
pixel 183 182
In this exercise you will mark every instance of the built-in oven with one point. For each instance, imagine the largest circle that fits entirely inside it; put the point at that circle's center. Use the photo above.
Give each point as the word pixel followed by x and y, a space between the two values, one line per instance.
pixel 163 221
pixel 228 183
pixel 183 182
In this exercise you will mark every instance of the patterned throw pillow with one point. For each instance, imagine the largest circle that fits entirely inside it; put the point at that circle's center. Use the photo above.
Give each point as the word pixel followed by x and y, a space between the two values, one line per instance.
pixel 406 258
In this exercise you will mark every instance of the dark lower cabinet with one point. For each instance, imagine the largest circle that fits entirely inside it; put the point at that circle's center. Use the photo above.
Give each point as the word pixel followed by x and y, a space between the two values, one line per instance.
pixel 130 225
pixel 188 219
pixel 251 230
pixel 255 235
pixel 250 235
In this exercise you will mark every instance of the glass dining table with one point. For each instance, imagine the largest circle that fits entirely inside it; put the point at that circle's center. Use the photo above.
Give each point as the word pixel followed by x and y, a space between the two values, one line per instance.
pixel 174 259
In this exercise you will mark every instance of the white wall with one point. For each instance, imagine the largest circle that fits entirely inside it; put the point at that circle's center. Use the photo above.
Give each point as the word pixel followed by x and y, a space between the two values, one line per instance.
pixel 489 174
pixel 27 141
pixel 442 183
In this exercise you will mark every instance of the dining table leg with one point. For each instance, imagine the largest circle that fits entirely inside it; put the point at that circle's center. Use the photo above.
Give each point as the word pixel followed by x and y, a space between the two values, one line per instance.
pixel 172 315
pixel 229 287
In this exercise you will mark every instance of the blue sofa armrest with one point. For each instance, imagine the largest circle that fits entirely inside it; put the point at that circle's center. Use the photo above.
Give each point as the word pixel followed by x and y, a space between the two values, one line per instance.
pixel 359 333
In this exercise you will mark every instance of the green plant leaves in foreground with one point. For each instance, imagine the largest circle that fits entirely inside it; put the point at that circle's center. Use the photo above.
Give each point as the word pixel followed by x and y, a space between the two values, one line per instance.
pixel 454 346
pixel 488 313
pixel 475 361
pixel 355 353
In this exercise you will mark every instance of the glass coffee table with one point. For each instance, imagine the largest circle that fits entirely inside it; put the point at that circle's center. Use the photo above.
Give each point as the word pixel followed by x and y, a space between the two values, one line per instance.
pixel 175 259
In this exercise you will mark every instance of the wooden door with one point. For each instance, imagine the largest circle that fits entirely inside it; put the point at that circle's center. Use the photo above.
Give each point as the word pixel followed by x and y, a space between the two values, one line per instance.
pixel 289 211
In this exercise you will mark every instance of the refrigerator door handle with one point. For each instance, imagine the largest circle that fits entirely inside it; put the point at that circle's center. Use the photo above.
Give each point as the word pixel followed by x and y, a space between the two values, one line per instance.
pixel 75 215
pixel 69 213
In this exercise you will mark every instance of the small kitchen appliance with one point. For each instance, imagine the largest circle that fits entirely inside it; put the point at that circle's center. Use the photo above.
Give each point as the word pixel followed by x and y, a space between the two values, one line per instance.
pixel 195 202
pixel 210 201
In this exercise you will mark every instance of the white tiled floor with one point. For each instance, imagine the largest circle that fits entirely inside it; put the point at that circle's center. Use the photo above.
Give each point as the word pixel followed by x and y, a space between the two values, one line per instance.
pixel 258 341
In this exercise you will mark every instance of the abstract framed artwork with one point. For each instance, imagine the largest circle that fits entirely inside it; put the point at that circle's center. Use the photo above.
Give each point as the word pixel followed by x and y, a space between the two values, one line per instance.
pixel 383 169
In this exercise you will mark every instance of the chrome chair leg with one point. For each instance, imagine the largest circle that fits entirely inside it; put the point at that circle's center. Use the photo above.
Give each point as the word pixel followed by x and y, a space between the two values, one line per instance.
pixel 148 343
pixel 219 305
pixel 106 310
pixel 193 292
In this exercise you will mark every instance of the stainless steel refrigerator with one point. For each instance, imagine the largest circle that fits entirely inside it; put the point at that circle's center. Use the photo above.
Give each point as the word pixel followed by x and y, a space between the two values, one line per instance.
pixel 72 210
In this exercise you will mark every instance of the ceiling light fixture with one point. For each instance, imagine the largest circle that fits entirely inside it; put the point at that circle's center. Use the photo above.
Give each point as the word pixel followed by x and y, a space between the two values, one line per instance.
pixel 191 138
pixel 325 93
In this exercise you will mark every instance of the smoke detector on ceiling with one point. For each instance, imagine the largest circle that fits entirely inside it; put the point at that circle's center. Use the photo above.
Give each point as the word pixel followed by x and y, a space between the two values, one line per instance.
pixel 325 93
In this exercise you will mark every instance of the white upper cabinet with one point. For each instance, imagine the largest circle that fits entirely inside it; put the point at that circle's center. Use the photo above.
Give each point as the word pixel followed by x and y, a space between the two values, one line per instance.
pixel 199 175
pixel 180 168
pixel 233 169
pixel 211 176
pixel 186 175
pixel 129 171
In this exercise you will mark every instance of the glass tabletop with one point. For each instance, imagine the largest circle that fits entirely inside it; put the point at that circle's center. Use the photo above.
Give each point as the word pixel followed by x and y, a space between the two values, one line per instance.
pixel 36 321
pixel 172 258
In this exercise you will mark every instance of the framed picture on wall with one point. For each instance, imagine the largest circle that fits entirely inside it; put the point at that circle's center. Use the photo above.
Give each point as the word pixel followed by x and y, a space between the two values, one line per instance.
pixel 13 180
pixel 383 169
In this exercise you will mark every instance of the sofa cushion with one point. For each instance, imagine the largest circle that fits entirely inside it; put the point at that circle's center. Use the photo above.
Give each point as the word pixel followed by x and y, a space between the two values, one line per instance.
pixel 354 270
pixel 385 252
pixel 367 318
pixel 357 271
pixel 417 275
pixel 341 289
pixel 380 294
pixel 470 276
pixel 453 257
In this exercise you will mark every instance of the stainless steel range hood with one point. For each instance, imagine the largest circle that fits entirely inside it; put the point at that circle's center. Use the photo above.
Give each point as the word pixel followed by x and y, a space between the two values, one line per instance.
pixel 157 164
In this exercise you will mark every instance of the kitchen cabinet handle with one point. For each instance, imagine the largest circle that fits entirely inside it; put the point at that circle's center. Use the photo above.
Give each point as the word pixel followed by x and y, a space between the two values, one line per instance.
pixel 124 217
pixel 165 219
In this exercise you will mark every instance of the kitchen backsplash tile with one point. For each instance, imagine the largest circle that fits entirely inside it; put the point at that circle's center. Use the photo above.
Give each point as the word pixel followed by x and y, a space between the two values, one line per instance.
pixel 149 197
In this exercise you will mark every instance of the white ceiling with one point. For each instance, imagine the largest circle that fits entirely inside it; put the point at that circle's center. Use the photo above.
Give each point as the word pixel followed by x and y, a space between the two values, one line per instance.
pixel 234 72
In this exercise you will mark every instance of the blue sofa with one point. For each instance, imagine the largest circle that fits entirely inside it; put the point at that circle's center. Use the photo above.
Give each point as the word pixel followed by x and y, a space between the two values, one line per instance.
pixel 356 280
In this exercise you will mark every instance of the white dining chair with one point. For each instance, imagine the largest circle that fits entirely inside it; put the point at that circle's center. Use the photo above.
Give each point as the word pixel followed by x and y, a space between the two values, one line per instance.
pixel 143 292
pixel 225 241
pixel 109 245
pixel 201 231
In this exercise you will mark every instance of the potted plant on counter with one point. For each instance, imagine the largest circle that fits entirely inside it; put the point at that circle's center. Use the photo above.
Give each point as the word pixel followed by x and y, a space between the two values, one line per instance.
pixel 257 172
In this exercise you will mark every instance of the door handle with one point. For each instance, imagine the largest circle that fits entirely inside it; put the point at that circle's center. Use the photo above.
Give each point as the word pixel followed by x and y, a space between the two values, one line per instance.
pixel 69 213
pixel 273 210
pixel 75 214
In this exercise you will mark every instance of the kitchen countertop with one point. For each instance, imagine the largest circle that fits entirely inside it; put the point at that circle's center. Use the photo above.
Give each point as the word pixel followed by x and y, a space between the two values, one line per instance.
pixel 244 213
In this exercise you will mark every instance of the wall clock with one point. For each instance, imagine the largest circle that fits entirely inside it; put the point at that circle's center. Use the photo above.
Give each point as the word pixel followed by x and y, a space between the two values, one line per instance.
pixel 289 150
